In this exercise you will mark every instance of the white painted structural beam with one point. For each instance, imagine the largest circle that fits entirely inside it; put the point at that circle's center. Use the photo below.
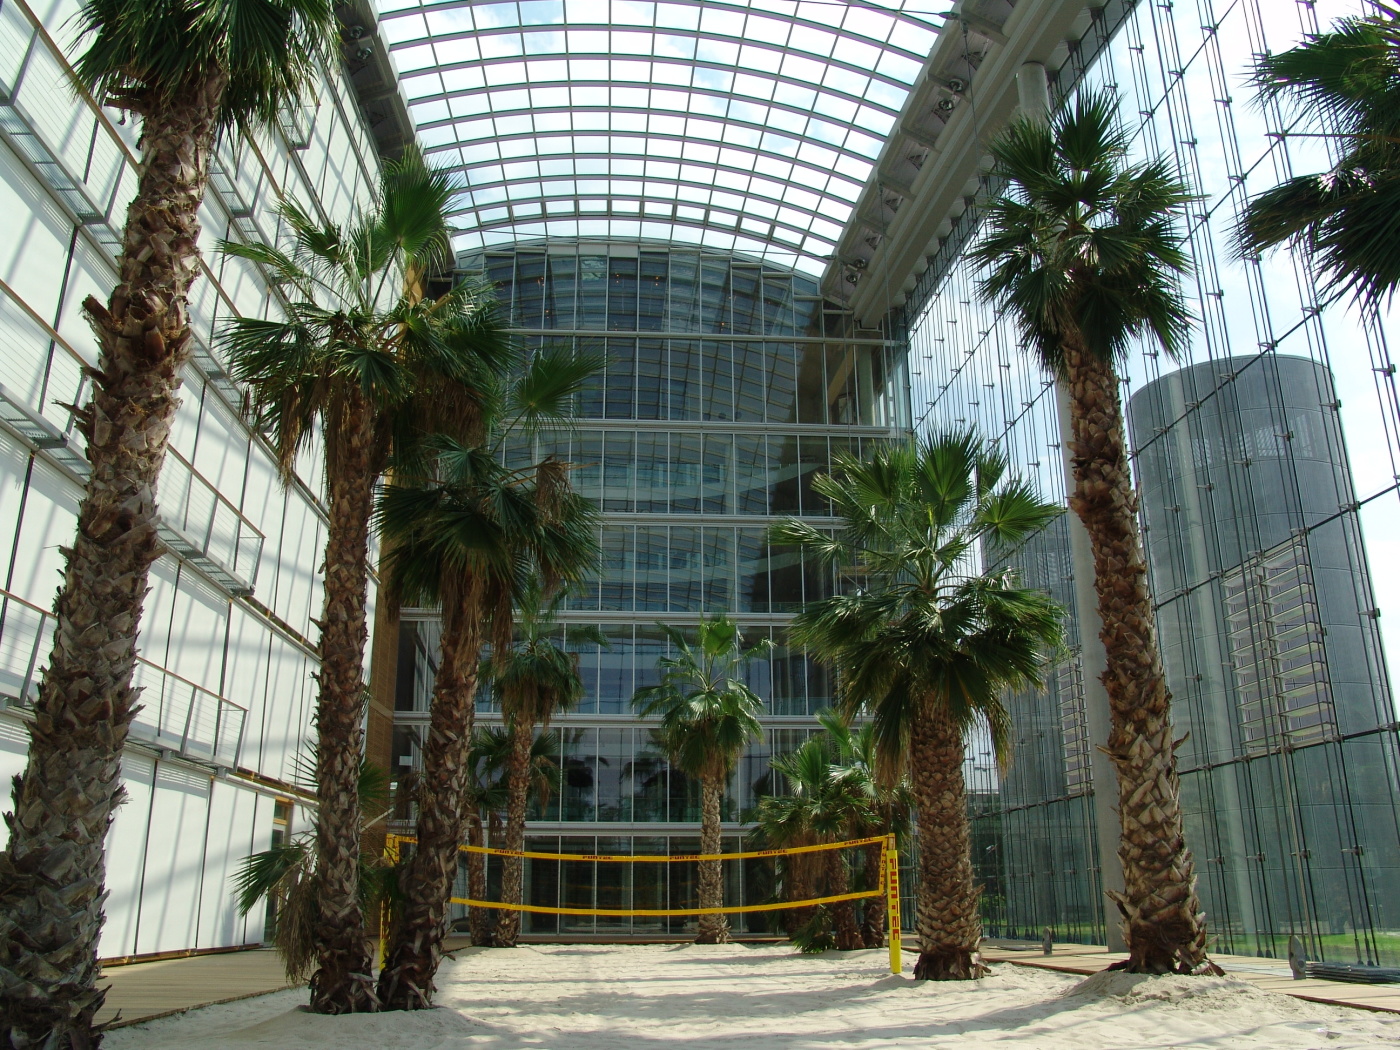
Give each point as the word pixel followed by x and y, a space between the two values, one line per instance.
pixel 929 168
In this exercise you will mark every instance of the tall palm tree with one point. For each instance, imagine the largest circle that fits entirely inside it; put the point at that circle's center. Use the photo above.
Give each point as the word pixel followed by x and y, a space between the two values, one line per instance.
pixel 363 361
pixel 1344 83
pixel 925 643
pixel 188 72
pixel 1084 249
pixel 534 678
pixel 708 716
pixel 470 537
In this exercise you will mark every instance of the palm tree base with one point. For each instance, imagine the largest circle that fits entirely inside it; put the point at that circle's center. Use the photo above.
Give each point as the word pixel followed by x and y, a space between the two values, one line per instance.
pixel 949 964
pixel 352 995
pixel 848 938
pixel 713 937
pixel 1158 964
pixel 407 997
pixel 483 934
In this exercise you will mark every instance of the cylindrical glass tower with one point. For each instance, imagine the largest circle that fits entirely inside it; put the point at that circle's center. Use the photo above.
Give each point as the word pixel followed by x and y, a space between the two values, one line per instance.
pixel 1267 625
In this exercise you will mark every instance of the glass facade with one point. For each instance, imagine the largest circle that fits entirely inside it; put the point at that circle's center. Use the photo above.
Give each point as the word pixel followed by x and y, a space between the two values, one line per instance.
pixel 728 385
pixel 1269 602
pixel 1267 460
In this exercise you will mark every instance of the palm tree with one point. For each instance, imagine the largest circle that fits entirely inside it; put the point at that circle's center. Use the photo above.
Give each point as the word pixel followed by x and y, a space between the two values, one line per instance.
pixel 487 793
pixel 820 806
pixel 369 372
pixel 189 73
pixel 1345 84
pixel 534 679
pixel 468 538
pixel 485 797
pixel 925 643
pixel 885 809
pixel 1084 250
pixel 285 876
pixel 780 822
pixel 708 716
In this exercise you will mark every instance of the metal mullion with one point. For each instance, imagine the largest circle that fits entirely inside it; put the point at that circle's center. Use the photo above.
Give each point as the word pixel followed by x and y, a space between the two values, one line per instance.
pixel 793 20
pixel 530 111
pixel 501 183
pixel 674 220
pixel 694 34
pixel 732 96
pixel 626 217
pixel 441 67
pixel 461 143
pixel 722 337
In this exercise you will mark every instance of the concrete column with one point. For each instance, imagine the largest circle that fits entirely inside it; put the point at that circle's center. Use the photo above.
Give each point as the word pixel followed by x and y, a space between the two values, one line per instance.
pixel 1033 95
pixel 1032 89
pixel 1094 663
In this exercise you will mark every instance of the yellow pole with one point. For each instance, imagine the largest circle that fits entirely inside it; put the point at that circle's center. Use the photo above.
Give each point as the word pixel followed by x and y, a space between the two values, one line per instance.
pixel 391 854
pixel 892 900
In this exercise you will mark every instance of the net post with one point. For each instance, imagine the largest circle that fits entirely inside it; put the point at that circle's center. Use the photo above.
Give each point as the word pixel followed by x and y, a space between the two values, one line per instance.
pixel 893 931
pixel 391 854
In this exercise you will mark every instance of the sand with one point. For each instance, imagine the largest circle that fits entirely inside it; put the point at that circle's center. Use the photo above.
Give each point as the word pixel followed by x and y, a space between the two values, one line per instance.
pixel 693 997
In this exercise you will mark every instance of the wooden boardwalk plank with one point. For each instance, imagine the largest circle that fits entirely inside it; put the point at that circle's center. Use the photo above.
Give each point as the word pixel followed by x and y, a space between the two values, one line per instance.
pixel 145 990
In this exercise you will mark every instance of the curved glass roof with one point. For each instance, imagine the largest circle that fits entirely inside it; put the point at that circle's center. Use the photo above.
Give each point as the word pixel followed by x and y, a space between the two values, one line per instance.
pixel 741 125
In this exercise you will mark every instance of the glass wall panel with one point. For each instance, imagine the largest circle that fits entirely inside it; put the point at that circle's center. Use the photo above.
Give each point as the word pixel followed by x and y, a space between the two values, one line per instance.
pixel 1266 461
pixel 715 409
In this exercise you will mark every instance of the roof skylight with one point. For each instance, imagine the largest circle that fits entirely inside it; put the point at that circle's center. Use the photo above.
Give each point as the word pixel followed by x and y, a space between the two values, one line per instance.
pixel 741 125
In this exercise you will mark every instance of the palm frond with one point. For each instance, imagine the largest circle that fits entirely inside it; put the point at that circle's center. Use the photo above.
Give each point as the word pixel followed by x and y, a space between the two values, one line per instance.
pixel 545 394
pixel 263 875
pixel 1084 245
pixel 144 55
pixel 928 628
pixel 1345 84
pixel 708 714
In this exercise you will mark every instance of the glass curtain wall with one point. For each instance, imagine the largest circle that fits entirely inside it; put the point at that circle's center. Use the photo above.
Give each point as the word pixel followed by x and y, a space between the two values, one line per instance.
pixel 728 385
pixel 1267 466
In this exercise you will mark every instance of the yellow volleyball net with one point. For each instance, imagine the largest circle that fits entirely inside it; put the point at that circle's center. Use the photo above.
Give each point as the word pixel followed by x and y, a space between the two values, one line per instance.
pixel 888 888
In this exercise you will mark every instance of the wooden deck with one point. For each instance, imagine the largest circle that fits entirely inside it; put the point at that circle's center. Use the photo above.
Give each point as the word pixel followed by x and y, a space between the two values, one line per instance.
pixel 1271 975
pixel 146 990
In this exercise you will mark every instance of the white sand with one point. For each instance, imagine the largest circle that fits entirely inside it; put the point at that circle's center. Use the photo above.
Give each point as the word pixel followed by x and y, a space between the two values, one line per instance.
pixel 690 997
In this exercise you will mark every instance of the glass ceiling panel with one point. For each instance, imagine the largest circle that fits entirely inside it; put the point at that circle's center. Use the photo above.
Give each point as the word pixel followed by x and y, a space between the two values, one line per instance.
pixel 746 125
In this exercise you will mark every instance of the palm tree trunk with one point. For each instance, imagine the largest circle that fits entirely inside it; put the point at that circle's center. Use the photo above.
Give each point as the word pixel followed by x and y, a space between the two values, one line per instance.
pixel 479 920
pixel 713 929
pixel 513 868
pixel 843 913
pixel 872 927
pixel 946 920
pixel 415 942
pixel 798 885
pixel 1163 922
pixel 343 981
pixel 52 873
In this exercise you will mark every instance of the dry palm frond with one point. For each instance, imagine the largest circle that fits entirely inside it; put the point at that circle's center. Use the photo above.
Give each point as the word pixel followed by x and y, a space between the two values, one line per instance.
pixel 816 936
pixel 295 934
pixel 285 876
